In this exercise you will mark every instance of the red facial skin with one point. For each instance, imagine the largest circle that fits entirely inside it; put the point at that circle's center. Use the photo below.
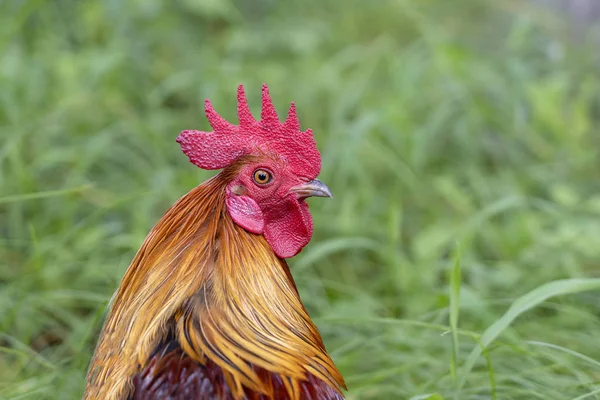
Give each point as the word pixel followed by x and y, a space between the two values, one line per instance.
pixel 271 209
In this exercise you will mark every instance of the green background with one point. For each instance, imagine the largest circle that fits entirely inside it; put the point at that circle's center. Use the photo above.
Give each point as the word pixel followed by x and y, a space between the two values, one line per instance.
pixel 460 139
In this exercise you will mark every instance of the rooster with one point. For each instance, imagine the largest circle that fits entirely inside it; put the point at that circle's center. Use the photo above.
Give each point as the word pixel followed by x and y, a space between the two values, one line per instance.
pixel 208 308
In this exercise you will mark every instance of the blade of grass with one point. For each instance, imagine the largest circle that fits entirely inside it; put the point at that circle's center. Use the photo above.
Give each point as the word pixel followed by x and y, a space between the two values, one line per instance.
pixel 587 395
pixel 429 396
pixel 328 247
pixel 565 350
pixel 43 195
pixel 521 305
pixel 455 281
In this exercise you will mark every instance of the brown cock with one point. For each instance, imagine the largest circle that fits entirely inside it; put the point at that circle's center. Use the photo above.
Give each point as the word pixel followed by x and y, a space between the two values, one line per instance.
pixel 208 308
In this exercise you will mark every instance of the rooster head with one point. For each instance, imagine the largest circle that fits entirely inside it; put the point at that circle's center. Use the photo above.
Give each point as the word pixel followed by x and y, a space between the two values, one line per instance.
pixel 277 166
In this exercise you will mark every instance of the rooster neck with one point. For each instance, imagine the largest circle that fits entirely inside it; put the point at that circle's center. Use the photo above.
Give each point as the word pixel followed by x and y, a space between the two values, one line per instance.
pixel 248 317
pixel 225 294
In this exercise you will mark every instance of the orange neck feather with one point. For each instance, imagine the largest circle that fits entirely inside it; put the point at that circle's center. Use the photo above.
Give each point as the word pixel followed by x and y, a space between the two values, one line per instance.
pixel 223 291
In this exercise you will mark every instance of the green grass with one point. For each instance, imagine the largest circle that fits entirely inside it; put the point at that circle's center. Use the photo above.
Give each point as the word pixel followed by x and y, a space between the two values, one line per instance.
pixel 446 129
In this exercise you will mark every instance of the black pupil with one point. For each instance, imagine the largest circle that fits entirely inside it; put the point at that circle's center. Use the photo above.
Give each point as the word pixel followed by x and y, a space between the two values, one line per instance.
pixel 262 176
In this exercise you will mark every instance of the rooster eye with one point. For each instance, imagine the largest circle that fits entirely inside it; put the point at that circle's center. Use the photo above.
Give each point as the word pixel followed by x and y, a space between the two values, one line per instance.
pixel 262 177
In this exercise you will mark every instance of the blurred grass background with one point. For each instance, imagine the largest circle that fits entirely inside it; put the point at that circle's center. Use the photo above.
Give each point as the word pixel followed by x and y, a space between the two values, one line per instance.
pixel 459 138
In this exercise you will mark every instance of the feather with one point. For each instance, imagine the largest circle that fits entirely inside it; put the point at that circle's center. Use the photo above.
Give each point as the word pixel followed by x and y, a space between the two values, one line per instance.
pixel 225 298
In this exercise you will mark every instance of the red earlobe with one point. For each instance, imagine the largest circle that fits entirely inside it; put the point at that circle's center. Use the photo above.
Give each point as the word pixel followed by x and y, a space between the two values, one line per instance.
pixel 246 213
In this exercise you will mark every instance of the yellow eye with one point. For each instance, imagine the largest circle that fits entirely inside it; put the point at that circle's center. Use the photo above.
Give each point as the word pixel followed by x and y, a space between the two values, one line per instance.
pixel 262 177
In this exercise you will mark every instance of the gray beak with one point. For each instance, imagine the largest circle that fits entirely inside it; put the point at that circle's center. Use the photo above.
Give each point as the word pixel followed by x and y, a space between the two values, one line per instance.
pixel 314 188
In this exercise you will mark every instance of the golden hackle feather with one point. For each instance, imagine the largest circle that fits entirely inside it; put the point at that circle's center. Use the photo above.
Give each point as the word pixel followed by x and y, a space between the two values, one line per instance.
pixel 228 296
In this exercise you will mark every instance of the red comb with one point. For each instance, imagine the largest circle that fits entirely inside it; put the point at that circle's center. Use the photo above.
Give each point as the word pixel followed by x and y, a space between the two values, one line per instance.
pixel 218 149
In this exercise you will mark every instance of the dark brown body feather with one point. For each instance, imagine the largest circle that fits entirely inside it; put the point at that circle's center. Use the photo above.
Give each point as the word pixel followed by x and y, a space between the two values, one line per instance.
pixel 172 375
